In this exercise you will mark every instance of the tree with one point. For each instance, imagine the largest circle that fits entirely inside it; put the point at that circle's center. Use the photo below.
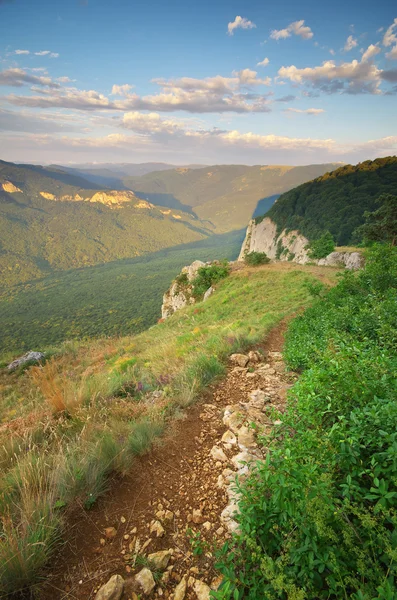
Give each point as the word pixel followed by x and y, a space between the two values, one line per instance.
pixel 321 247
pixel 381 225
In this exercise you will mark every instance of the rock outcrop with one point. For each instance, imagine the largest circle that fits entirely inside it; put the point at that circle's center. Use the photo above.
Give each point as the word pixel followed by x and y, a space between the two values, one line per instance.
pixel 290 246
pixel 29 357
pixel 180 293
pixel 10 187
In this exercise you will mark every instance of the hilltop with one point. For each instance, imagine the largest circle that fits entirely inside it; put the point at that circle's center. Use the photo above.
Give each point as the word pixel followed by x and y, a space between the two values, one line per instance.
pixel 335 201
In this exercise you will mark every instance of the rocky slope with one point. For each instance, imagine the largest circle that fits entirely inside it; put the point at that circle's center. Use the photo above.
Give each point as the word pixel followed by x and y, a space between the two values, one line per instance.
pixel 290 246
pixel 158 539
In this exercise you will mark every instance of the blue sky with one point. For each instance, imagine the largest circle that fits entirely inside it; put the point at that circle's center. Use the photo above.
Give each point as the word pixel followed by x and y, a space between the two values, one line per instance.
pixel 208 82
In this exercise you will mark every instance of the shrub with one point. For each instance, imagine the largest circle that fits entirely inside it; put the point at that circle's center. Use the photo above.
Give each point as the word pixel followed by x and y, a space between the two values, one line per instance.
pixel 254 259
pixel 321 247
pixel 208 276
pixel 318 517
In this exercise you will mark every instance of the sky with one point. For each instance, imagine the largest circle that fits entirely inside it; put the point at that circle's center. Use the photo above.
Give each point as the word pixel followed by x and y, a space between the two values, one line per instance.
pixel 220 81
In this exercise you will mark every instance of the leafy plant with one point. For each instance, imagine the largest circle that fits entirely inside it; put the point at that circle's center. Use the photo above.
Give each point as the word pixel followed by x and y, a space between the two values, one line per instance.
pixel 321 247
pixel 208 276
pixel 318 517
pixel 256 258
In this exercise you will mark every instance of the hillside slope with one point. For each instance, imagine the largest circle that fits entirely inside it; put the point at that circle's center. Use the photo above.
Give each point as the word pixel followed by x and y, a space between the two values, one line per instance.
pixel 51 220
pixel 224 195
pixel 335 201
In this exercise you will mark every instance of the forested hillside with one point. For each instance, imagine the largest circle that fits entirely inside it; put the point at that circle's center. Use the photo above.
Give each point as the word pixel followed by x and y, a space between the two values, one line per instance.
pixel 52 221
pixel 225 195
pixel 336 201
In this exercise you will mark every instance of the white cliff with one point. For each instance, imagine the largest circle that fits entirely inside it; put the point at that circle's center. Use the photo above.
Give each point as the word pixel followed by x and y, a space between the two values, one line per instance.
pixel 290 246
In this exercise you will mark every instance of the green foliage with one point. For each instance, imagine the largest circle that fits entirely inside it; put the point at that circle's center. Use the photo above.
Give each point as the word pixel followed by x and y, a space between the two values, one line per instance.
pixel 225 195
pixel 118 298
pixel 336 201
pixel 254 259
pixel 380 225
pixel 208 276
pixel 318 517
pixel 321 247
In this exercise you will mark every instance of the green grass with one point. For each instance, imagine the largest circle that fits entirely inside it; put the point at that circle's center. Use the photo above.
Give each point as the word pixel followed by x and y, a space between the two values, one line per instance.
pixel 103 385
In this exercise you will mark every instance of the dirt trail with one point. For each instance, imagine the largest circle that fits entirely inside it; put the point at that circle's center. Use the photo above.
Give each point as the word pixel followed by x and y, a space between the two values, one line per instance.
pixel 178 485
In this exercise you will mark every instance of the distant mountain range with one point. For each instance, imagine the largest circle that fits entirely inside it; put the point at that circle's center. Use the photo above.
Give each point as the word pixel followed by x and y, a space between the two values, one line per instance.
pixel 58 218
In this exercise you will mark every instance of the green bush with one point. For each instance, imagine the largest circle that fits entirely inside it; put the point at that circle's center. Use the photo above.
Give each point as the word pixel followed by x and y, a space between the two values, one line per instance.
pixel 254 259
pixel 208 276
pixel 318 517
pixel 321 247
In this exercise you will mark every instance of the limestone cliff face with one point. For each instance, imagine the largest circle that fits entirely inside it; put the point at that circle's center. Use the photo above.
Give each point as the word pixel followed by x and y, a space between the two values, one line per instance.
pixel 10 187
pixel 112 198
pixel 290 246
pixel 180 293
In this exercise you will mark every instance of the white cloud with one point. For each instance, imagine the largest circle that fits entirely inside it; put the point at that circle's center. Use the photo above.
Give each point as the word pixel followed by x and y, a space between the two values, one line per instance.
pixel 65 79
pixel 390 36
pixel 296 28
pixel 150 123
pixel 392 55
pixel 354 77
pixel 263 63
pixel 19 77
pixel 332 51
pixel 307 111
pixel 351 43
pixel 370 52
pixel 47 53
pixel 121 90
pixel 22 52
pixel 239 23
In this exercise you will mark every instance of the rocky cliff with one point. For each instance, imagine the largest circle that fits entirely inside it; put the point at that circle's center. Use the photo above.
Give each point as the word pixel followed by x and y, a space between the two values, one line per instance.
pixel 180 293
pixel 290 246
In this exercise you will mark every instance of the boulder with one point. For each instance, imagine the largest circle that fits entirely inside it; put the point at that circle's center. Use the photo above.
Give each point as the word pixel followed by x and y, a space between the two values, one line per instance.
pixel 112 590
pixel 202 590
pixel 218 454
pixel 29 357
pixel 180 589
pixel 239 359
pixel 160 559
pixel 145 580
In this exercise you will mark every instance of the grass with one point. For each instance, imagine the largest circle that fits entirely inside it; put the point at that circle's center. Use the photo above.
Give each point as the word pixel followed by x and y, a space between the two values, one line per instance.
pixel 94 406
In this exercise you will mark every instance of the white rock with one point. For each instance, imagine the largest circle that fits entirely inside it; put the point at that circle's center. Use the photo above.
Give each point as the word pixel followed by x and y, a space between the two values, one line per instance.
pixel 157 528
pixel 218 454
pixel 145 580
pixel 112 590
pixel 180 589
pixel 239 359
pixel 160 559
pixel 208 293
pixel 229 438
pixel 202 590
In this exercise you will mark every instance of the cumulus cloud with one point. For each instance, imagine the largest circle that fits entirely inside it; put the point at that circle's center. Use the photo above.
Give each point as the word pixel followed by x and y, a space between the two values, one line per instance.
pixel 263 63
pixel 370 52
pixel 288 98
pixel 239 23
pixel 296 28
pixel 307 111
pixel 351 43
pixel 22 52
pixel 351 77
pixel 19 77
pixel 150 123
pixel 121 90
pixel 390 38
